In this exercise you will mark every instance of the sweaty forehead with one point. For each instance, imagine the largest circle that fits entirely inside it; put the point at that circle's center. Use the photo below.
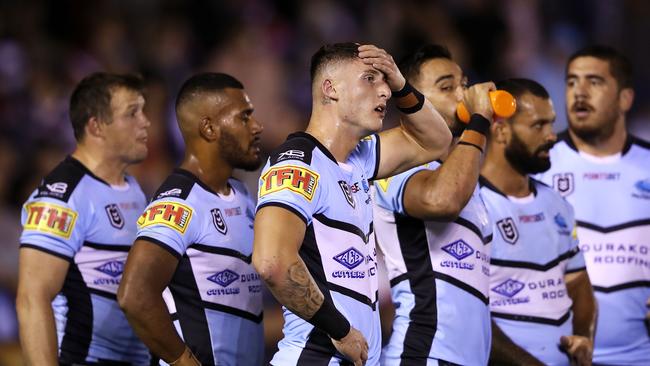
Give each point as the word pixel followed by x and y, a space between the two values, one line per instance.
pixel 532 108
pixel 122 98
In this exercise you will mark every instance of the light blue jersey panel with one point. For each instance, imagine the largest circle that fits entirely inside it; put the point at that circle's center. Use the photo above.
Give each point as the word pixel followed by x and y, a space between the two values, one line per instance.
pixel 534 248
pixel 611 196
pixel 439 276
pixel 215 294
pixel 78 217
pixel 333 198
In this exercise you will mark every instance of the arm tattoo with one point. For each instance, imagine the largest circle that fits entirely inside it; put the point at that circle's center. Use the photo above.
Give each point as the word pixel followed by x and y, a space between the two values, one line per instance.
pixel 299 292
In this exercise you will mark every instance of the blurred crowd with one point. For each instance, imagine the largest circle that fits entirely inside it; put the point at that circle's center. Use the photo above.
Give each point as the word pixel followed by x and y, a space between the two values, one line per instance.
pixel 46 47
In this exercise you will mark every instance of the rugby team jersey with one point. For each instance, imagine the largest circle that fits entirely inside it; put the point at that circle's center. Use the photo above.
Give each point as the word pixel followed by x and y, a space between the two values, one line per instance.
pixel 215 296
pixel 333 199
pixel 611 197
pixel 534 247
pixel 77 216
pixel 439 277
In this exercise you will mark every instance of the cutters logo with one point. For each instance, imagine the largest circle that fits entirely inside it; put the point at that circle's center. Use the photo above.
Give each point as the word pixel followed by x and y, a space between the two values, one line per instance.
pixel 290 177
pixel 50 218
pixel 171 214
pixel 347 192
pixel 508 230
pixel 218 221
pixel 112 268
pixel 224 278
pixel 114 216
pixel 458 249
pixel 563 183
pixel 509 287
pixel 350 258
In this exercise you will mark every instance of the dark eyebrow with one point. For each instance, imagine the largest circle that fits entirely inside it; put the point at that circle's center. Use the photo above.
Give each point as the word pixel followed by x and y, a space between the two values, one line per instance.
pixel 444 77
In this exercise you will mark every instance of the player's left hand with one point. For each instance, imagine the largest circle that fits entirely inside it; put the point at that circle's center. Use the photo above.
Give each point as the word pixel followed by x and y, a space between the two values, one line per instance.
pixel 383 62
pixel 579 348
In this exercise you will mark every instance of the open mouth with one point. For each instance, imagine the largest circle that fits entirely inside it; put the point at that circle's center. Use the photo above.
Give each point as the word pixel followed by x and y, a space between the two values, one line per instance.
pixel 381 109
pixel 582 109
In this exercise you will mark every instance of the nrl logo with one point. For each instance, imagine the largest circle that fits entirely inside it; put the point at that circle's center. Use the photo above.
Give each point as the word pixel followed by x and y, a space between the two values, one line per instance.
pixel 563 183
pixel 218 221
pixel 508 230
pixel 347 192
pixel 114 216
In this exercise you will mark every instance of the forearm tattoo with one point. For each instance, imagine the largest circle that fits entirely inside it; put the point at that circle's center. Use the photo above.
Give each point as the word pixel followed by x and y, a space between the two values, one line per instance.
pixel 299 292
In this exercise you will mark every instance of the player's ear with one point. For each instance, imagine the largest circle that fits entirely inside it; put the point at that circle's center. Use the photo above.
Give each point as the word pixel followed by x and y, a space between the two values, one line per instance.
pixel 625 99
pixel 94 127
pixel 328 90
pixel 499 131
pixel 208 129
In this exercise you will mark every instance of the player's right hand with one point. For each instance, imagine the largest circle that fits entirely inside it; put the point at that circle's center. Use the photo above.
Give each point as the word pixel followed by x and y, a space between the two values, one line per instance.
pixel 477 99
pixel 353 346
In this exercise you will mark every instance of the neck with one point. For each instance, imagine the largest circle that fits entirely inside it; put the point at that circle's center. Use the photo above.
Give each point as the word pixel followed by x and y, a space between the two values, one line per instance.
pixel 603 146
pixel 109 169
pixel 212 172
pixel 339 137
pixel 503 176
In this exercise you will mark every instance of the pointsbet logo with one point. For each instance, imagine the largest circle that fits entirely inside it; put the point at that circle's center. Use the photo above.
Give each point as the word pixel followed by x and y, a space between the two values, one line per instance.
pixel 290 177
pixel 50 218
pixel 172 214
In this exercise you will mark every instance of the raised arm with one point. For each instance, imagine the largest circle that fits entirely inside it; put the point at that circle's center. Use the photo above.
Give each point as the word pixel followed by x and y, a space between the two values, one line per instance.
pixel 442 194
pixel 278 236
pixel 580 345
pixel 422 136
pixel 148 270
pixel 40 278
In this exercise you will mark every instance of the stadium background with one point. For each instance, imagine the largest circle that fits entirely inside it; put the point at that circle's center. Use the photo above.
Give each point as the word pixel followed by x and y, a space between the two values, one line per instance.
pixel 46 47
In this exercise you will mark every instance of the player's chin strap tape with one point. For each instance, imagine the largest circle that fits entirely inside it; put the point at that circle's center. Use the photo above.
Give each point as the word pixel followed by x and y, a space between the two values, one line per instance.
pixel 409 100
pixel 475 133
pixel 331 321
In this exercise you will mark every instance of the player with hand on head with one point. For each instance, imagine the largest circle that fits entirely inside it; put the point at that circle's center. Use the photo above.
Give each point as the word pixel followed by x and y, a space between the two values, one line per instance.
pixel 314 239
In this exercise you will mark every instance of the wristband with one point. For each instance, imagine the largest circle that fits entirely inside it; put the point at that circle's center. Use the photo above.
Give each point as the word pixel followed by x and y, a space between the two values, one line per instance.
pixel 331 321
pixel 475 133
pixel 409 100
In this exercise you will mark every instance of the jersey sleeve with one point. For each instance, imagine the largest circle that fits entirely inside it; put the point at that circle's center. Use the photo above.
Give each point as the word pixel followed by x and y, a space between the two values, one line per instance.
pixel 577 262
pixel 54 226
pixel 171 223
pixel 291 184
pixel 389 192
pixel 366 155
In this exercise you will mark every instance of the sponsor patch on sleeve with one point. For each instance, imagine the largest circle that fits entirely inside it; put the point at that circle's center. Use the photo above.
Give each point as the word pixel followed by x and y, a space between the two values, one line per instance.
pixel 171 214
pixel 50 218
pixel 290 177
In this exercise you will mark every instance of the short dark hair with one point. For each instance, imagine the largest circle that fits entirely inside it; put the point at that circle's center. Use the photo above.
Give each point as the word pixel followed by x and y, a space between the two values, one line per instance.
pixel 92 98
pixel 410 65
pixel 619 66
pixel 519 86
pixel 206 82
pixel 331 53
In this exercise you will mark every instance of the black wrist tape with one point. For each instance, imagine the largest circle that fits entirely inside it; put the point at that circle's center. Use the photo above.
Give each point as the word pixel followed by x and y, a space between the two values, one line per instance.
pixel 331 321
pixel 471 144
pixel 479 124
pixel 409 100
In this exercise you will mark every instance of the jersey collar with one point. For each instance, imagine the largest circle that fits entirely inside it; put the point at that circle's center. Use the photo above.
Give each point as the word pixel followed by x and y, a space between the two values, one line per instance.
pixel 483 182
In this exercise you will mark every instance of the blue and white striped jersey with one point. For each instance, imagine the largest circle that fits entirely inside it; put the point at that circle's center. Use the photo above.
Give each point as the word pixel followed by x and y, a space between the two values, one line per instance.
pixel 611 197
pixel 333 198
pixel 439 277
pixel 534 247
pixel 77 216
pixel 215 296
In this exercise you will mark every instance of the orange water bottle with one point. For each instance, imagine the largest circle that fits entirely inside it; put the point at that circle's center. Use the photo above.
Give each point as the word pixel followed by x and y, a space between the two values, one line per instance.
pixel 504 105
